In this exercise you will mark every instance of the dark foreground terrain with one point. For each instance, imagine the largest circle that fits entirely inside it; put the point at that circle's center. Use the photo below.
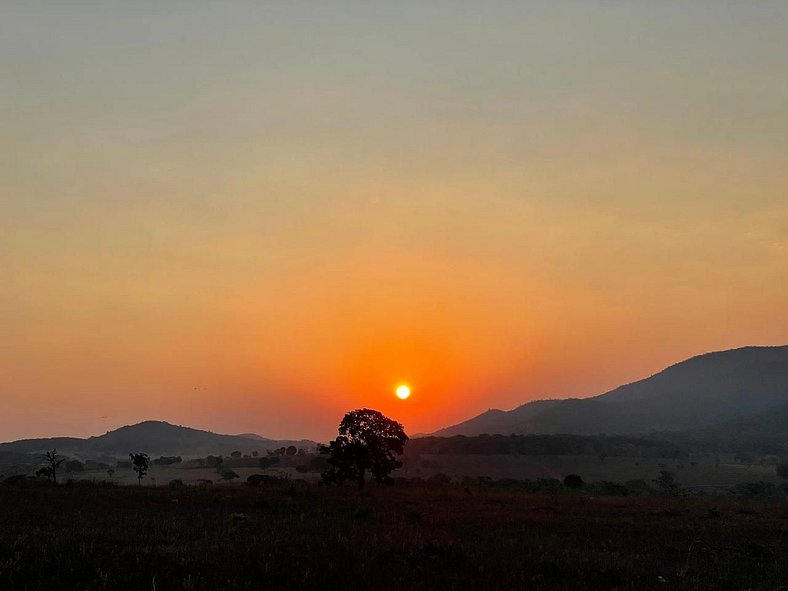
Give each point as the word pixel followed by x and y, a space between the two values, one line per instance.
pixel 292 536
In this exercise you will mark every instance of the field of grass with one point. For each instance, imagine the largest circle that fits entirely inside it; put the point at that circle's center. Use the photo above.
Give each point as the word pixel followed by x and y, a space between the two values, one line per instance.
pixel 707 473
pixel 298 536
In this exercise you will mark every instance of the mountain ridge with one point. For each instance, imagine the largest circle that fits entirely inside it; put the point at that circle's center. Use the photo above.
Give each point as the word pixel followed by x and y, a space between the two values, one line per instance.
pixel 152 437
pixel 696 393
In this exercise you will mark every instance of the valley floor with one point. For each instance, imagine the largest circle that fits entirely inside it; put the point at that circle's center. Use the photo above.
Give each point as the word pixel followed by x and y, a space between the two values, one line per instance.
pixel 292 535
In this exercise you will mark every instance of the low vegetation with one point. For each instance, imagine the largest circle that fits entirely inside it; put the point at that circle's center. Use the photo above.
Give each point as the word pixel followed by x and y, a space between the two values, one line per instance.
pixel 416 535
pixel 600 513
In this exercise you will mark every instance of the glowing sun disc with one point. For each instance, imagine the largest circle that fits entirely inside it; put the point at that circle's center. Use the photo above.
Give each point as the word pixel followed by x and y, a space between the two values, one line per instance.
pixel 403 392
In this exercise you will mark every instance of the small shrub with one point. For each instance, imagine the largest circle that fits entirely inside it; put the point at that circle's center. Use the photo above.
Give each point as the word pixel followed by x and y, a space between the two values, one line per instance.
pixel 229 475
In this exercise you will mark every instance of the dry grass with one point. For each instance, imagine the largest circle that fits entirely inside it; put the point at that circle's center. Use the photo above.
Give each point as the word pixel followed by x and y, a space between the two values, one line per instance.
pixel 293 536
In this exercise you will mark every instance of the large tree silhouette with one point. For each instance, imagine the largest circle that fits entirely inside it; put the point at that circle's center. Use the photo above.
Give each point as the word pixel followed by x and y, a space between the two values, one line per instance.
pixel 367 442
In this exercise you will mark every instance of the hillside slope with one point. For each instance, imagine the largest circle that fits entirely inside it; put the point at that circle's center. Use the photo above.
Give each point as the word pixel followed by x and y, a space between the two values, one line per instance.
pixel 153 438
pixel 700 392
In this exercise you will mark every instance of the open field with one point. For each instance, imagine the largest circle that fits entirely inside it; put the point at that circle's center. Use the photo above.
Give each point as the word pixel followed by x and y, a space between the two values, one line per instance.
pixel 293 535
pixel 705 474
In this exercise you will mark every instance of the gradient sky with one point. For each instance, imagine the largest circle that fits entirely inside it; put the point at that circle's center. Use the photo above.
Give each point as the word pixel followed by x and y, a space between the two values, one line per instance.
pixel 255 216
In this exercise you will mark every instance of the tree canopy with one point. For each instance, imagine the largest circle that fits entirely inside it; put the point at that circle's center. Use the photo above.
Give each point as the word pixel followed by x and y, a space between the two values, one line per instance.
pixel 367 442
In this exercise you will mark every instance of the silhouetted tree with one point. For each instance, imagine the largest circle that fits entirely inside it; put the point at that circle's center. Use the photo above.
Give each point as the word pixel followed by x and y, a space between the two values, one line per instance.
pixel 291 450
pixel 781 470
pixel 236 454
pixel 110 472
pixel 573 481
pixel 140 463
pixel 53 463
pixel 367 442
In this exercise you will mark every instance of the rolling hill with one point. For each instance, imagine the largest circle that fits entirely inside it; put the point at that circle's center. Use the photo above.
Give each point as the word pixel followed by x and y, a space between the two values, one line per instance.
pixel 154 438
pixel 715 389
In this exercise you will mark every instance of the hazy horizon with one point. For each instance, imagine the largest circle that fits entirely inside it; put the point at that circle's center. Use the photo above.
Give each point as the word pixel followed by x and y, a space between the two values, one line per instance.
pixel 254 217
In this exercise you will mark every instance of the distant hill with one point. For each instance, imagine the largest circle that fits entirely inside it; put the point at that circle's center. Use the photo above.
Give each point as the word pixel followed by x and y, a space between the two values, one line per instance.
pixel 726 387
pixel 154 438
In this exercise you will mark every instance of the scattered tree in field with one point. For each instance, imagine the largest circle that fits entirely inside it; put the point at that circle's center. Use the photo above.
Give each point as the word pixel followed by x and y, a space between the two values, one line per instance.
pixel 53 463
pixel 110 472
pixel 255 453
pixel 140 463
pixel 781 470
pixel 573 481
pixel 666 482
pixel 291 450
pixel 367 442
pixel 229 475
pixel 236 454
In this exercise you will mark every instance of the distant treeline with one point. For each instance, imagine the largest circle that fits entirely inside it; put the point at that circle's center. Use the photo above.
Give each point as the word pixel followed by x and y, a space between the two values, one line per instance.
pixel 604 445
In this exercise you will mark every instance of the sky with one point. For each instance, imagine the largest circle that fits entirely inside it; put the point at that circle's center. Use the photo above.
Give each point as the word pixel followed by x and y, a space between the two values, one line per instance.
pixel 256 216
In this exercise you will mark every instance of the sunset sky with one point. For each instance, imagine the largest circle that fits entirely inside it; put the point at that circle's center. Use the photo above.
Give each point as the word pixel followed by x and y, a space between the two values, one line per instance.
pixel 256 216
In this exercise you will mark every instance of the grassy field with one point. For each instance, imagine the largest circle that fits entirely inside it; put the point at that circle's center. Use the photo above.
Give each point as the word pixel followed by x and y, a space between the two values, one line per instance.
pixel 706 473
pixel 297 536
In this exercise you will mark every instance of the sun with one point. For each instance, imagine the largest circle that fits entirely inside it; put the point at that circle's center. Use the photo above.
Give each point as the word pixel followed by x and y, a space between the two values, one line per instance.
pixel 403 391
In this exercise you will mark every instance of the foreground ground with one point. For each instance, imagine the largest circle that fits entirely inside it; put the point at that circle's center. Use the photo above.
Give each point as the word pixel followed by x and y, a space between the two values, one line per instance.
pixel 296 536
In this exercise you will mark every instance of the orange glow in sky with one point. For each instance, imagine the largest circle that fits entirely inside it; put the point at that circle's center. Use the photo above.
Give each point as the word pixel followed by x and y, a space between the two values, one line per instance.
pixel 256 217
